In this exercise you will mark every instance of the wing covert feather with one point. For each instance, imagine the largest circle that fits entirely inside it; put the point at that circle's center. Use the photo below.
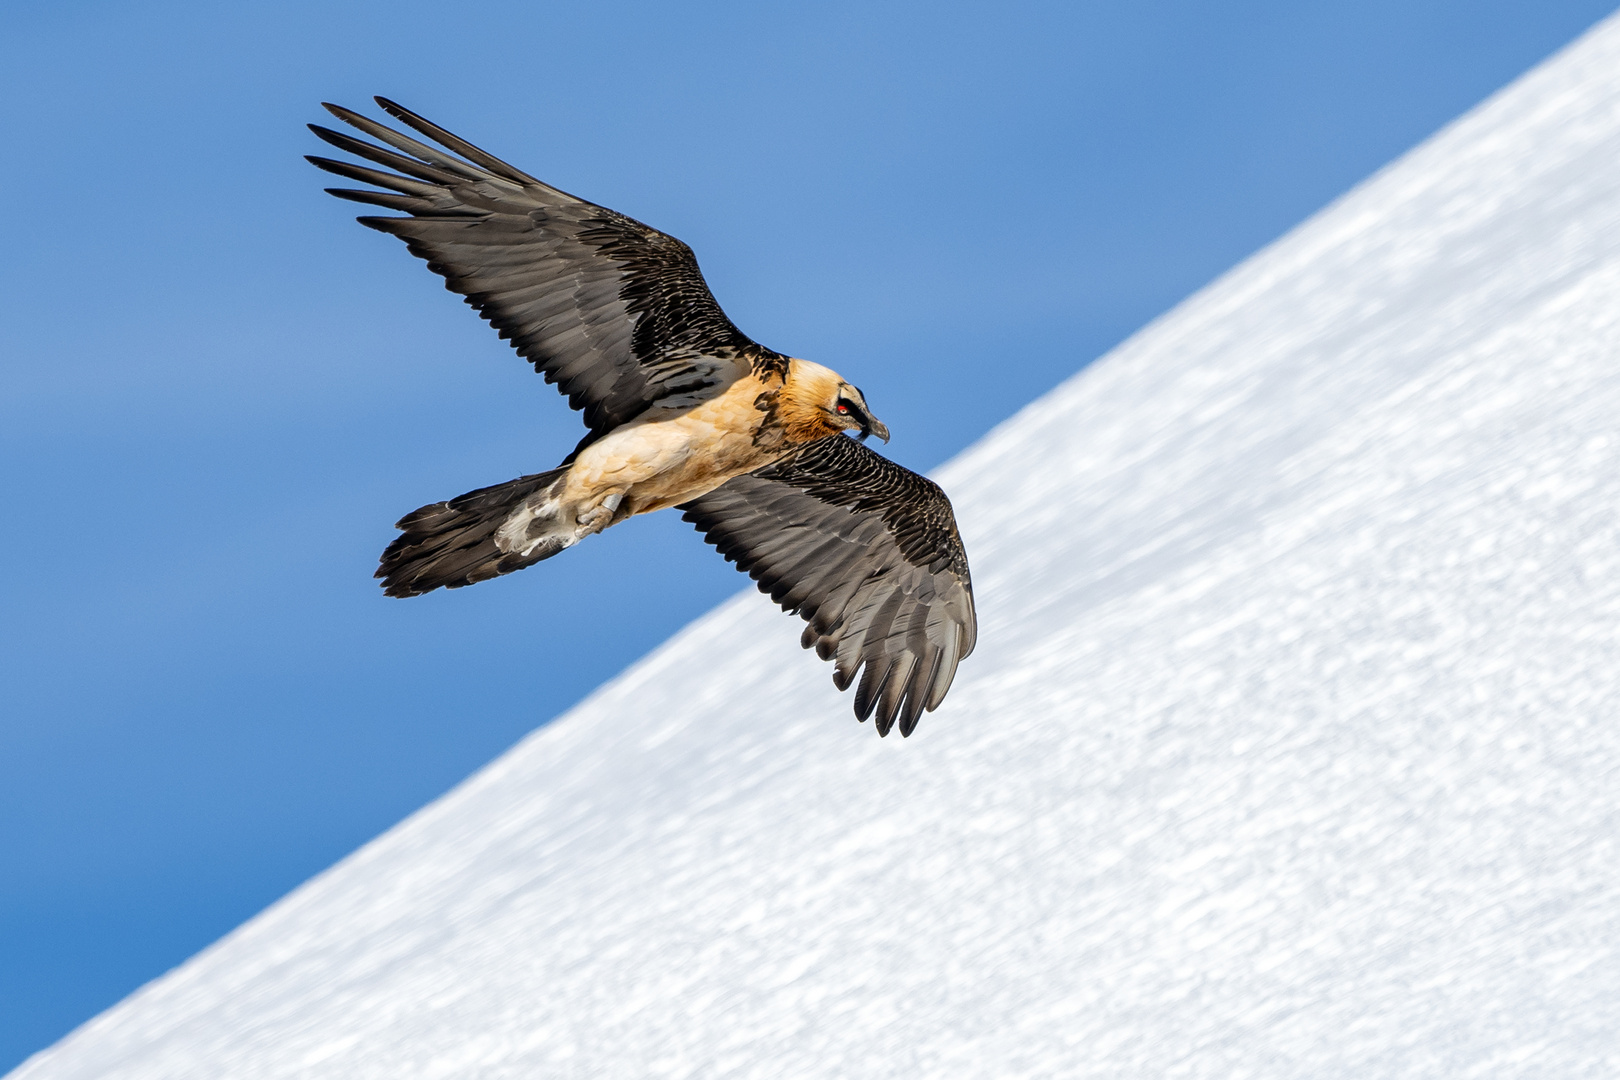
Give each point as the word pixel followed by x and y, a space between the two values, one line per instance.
pixel 868 553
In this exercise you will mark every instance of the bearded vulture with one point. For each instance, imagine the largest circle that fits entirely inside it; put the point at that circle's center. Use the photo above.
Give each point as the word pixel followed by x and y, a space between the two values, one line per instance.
pixel 681 409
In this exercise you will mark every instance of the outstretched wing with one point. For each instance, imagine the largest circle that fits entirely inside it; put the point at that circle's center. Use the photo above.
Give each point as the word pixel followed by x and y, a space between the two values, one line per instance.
pixel 613 311
pixel 868 553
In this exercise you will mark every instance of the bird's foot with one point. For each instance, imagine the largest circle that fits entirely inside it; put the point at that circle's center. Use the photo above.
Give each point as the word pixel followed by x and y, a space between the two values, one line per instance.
pixel 599 516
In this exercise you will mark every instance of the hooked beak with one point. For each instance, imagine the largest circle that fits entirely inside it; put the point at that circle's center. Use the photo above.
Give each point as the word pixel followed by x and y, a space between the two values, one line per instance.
pixel 874 426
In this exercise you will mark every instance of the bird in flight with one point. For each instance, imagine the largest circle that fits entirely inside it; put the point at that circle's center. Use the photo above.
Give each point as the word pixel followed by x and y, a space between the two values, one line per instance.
pixel 681 409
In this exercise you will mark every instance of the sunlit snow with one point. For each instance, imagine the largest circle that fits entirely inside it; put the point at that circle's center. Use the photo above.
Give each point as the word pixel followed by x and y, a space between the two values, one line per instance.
pixel 1290 747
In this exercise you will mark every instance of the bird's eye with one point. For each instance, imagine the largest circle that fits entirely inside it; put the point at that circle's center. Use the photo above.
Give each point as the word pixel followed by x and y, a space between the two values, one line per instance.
pixel 842 407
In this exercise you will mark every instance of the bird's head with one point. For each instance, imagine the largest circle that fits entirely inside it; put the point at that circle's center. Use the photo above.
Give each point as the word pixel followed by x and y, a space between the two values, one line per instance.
pixel 817 402
pixel 849 412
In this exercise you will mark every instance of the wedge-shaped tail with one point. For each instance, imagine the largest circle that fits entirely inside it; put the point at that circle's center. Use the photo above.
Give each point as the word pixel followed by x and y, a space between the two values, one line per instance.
pixel 477 536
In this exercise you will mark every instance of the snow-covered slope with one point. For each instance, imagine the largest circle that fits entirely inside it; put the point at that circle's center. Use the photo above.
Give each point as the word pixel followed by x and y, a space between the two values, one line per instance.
pixel 1290 747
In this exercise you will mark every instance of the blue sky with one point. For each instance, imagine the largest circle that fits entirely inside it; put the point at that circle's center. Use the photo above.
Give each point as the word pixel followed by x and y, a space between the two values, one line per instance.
pixel 219 391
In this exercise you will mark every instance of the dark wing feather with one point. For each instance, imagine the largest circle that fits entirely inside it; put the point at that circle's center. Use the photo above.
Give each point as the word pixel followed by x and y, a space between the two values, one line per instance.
pixel 613 311
pixel 868 553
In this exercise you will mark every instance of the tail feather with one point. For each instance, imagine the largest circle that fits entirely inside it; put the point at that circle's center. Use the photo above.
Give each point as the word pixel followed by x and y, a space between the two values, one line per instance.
pixel 452 544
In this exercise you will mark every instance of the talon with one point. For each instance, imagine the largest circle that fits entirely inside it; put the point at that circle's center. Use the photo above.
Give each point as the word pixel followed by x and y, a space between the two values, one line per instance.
pixel 599 516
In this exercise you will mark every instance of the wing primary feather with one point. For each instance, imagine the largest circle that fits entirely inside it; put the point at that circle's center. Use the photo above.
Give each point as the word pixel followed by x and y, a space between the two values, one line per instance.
pixel 853 637
pixel 945 670
pixel 916 639
pixel 431 154
pixel 393 226
pixel 894 688
pixel 872 680
pixel 878 630
pixel 385 199
pixel 922 676
pixel 407 165
pixel 350 171
pixel 913 634
pixel 466 149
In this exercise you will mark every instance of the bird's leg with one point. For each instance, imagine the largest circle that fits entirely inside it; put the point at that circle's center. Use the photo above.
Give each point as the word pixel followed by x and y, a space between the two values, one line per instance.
pixel 599 516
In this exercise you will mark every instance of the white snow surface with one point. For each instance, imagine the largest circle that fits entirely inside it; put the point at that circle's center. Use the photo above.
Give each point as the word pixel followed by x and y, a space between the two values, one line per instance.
pixel 1289 748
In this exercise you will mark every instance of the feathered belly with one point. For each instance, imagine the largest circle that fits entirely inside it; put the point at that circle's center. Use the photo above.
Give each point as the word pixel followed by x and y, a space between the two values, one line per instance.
pixel 660 462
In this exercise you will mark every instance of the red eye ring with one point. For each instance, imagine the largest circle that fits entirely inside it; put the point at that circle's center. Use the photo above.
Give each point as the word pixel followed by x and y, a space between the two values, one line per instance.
pixel 843 408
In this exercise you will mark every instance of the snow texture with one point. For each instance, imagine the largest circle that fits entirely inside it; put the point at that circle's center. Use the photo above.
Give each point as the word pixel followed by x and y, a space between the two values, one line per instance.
pixel 1289 750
